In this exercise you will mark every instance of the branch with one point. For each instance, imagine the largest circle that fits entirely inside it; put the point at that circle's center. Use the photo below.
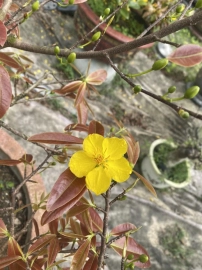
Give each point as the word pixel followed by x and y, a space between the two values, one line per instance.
pixel 172 28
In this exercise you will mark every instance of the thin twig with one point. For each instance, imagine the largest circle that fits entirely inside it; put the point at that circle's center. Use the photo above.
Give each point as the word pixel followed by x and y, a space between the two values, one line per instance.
pixel 185 10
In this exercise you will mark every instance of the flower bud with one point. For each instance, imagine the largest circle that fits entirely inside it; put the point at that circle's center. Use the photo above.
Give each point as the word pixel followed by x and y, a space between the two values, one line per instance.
pixel 137 89
pixel 180 8
pixel 143 258
pixel 159 64
pixel 107 11
pixel 183 114
pixel 171 89
pixel 130 257
pixel 71 2
pixel 57 50
pixel 96 36
pixel 198 4
pixel 192 92
pixel 71 57
pixel 35 6
pixel 123 198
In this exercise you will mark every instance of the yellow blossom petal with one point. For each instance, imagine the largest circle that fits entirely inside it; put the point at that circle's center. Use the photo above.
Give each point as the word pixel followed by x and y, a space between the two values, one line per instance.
pixel 119 170
pixel 93 144
pixel 98 180
pixel 114 148
pixel 81 164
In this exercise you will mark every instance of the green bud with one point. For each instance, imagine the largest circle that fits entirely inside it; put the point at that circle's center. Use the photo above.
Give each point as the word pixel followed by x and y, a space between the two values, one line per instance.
pixel 71 57
pixel 191 92
pixel 130 257
pixel 107 11
pixel 130 266
pixel 123 198
pixel 180 8
pixel 71 2
pixel 143 258
pixel 137 89
pixel 57 50
pixel 182 113
pixel 171 89
pixel 159 64
pixel 35 6
pixel 198 4
pixel 96 36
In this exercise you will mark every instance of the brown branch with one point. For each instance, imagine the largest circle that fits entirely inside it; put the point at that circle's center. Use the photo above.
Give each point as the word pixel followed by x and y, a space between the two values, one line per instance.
pixel 172 28
pixel 159 98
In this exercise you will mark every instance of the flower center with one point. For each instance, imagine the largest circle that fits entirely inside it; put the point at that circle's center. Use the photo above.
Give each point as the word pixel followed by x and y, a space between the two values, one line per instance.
pixel 99 159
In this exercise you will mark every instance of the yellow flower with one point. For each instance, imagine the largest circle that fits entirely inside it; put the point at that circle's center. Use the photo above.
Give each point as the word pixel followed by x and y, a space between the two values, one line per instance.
pixel 101 160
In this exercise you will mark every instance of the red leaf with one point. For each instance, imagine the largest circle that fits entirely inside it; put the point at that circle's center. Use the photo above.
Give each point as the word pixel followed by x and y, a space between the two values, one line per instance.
pixel 96 220
pixel 79 127
pixel 92 263
pixel 9 61
pixel 97 77
pixel 147 184
pixel 3 229
pixel 66 188
pixel 5 261
pixel 40 243
pixel 5 91
pixel 14 248
pixel 52 215
pixel 133 150
pixel 53 226
pixel 96 127
pixel 68 88
pixel 80 256
pixel 9 162
pixel 77 209
pixel 82 113
pixel 55 138
pixel 53 250
pixel 3 35
pixel 187 55
pixel 26 158
pixel 80 94
pixel 132 248
pixel 123 228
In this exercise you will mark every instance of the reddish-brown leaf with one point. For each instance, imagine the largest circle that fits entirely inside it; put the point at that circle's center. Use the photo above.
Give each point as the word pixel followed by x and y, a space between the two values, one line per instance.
pixel 187 55
pixel 79 127
pixel 14 248
pixel 123 228
pixel 1 3
pixel 55 138
pixel 19 265
pixel 8 260
pixel 96 127
pixel 80 94
pixel 87 221
pixel 92 263
pixel 68 88
pixel 80 256
pixel 133 150
pixel 132 248
pixel 53 250
pixel 3 35
pixel 3 229
pixel 147 184
pixel 52 215
pixel 96 220
pixel 53 226
pixel 9 61
pixel 27 158
pixel 72 235
pixel 5 91
pixel 77 209
pixel 66 188
pixel 40 243
pixel 82 113
pixel 10 162
pixel 97 77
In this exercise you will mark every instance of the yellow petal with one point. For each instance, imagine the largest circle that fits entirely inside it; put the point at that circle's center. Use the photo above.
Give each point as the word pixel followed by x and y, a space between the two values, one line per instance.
pixel 119 170
pixel 80 164
pixel 92 144
pixel 98 180
pixel 114 148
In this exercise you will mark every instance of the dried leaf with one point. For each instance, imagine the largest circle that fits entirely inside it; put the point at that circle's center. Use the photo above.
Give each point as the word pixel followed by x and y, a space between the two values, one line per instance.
pixel 3 35
pixel 96 127
pixel 187 55
pixel 147 184
pixel 55 138
pixel 5 91
pixel 97 77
